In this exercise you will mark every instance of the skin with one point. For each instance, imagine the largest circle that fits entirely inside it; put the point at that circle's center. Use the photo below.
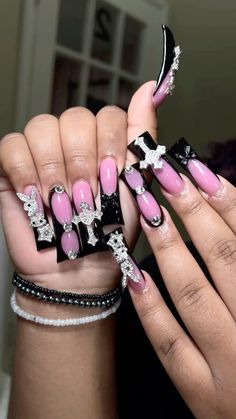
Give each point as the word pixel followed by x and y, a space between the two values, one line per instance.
pixel 49 362
pixel 71 361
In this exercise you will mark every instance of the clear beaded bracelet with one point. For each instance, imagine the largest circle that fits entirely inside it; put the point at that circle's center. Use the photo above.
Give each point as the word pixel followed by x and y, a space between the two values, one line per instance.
pixel 76 321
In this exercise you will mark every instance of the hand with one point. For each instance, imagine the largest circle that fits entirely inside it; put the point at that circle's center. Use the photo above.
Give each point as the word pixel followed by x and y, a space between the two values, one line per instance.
pixel 53 151
pixel 200 360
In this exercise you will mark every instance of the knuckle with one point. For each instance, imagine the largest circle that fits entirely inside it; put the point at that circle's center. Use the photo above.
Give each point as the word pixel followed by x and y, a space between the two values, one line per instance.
pixel 109 109
pixel 192 208
pixel 77 112
pixel 12 136
pixel 171 347
pixel 229 206
pixel 20 169
pixel 149 311
pixel 191 295
pixel 78 156
pixel 42 119
pixel 50 166
pixel 223 251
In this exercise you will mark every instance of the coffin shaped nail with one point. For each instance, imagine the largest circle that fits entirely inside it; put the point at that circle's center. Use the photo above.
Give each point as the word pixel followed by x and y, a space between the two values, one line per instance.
pixel 110 198
pixel 170 65
pixel 147 204
pixel 187 157
pixel 67 237
pixel 33 205
pixel 129 269
pixel 149 153
pixel 88 218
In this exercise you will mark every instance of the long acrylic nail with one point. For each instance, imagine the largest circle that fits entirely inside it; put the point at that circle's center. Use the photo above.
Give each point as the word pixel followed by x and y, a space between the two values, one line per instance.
pixel 88 218
pixel 129 269
pixel 110 199
pixel 185 155
pixel 169 178
pixel 148 206
pixel 68 245
pixel 170 64
pixel 33 205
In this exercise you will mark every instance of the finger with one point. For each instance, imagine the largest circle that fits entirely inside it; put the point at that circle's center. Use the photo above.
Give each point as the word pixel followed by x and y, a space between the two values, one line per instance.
pixel 43 138
pixel 112 134
pixel 216 242
pixel 200 307
pixel 16 162
pixel 78 137
pixel 224 202
pixel 180 357
pixel 141 116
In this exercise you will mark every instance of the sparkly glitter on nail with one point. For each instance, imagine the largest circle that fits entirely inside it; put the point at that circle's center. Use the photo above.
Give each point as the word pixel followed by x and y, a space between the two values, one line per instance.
pixel 87 217
pixel 45 233
pixel 152 157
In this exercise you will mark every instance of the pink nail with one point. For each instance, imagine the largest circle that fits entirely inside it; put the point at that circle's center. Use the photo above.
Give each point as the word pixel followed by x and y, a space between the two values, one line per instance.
pixel 134 178
pixel 39 201
pixel 169 178
pixel 108 175
pixel 82 192
pixel 204 177
pixel 149 207
pixel 161 93
pixel 61 207
pixel 70 244
pixel 137 286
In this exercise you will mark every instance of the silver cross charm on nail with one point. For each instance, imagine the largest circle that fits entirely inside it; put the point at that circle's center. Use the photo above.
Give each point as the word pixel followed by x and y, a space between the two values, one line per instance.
pixel 87 217
pixel 152 157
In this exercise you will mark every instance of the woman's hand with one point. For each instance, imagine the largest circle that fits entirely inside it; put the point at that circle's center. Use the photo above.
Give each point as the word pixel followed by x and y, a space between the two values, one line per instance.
pixel 200 360
pixel 61 151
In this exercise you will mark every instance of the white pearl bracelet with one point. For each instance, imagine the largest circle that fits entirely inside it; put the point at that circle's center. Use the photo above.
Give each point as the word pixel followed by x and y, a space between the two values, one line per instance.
pixel 76 321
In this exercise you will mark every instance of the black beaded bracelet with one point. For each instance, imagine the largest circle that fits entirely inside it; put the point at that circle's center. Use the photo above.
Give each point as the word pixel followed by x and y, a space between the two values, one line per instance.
pixel 61 297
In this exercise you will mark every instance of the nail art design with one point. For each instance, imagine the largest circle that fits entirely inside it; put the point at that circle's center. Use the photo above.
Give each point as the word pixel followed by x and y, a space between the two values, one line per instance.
pixel 33 205
pixel 170 65
pixel 116 242
pixel 186 156
pixel 88 218
pixel 110 199
pixel 67 238
pixel 148 206
pixel 145 148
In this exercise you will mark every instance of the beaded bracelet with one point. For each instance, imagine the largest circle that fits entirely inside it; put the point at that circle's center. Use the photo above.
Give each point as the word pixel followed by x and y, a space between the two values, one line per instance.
pixel 76 321
pixel 62 297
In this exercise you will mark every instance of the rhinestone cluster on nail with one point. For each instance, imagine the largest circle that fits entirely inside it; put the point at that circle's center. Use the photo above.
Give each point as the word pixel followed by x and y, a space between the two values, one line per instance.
pixel 152 157
pixel 120 252
pixel 87 217
pixel 169 87
pixel 37 219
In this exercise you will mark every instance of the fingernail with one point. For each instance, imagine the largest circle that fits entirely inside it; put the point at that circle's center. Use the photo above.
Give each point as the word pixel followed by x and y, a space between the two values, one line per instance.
pixel 185 155
pixel 88 218
pixel 164 85
pixel 147 204
pixel 33 205
pixel 130 271
pixel 169 178
pixel 110 199
pixel 68 246
pixel 149 153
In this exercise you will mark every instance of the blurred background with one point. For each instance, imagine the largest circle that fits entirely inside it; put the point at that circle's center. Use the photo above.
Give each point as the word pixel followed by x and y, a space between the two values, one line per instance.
pixel 61 53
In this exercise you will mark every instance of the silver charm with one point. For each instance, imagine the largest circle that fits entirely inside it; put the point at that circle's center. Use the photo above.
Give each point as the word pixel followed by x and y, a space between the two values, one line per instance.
pixel 120 252
pixel 87 217
pixel 140 190
pixel 152 157
pixel 45 233
pixel 37 219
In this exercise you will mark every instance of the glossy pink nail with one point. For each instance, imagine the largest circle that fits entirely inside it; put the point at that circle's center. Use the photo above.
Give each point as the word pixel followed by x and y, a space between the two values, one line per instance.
pixel 108 175
pixel 70 244
pixel 204 177
pixel 81 191
pixel 140 284
pixel 169 178
pixel 61 206
pixel 147 204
